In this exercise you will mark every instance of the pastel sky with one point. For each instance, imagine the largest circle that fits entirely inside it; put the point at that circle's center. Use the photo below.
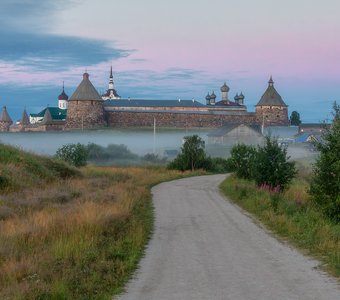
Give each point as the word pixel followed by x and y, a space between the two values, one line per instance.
pixel 172 49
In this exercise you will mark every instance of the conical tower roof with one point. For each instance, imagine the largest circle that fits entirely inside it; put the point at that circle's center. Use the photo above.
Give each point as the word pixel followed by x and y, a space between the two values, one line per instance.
pixel 47 117
pixel 86 90
pixel 271 97
pixel 4 117
pixel 25 119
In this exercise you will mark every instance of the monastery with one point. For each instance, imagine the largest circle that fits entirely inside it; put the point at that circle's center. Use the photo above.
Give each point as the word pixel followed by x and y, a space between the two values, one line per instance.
pixel 87 109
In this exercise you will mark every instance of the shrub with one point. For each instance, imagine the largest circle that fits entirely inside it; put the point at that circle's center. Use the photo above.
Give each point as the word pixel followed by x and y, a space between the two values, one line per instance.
pixel 75 154
pixel 112 151
pixel 192 155
pixel 272 167
pixel 153 158
pixel 242 160
pixel 219 165
pixel 325 184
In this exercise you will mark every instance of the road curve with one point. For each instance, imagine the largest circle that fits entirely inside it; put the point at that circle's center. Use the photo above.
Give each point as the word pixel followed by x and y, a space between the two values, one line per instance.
pixel 204 247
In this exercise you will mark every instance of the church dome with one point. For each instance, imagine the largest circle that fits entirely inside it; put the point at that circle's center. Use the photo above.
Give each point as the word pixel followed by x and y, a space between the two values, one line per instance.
pixel 236 97
pixel 241 96
pixel 225 88
pixel 212 96
pixel 207 97
pixel 63 95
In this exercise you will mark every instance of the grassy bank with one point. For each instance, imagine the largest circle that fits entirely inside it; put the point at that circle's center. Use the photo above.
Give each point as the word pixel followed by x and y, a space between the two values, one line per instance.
pixel 78 236
pixel 295 220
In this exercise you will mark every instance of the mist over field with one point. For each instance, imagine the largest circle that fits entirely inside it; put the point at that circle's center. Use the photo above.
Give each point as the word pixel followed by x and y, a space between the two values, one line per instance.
pixel 138 143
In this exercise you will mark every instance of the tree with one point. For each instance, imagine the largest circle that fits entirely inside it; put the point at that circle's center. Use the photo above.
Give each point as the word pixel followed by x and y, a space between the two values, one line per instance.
pixel 272 167
pixel 325 184
pixel 295 118
pixel 75 154
pixel 242 158
pixel 192 155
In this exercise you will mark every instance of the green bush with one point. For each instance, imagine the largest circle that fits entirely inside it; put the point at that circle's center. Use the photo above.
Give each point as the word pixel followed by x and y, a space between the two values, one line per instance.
pixel 219 165
pixel 242 160
pixel 295 118
pixel 325 184
pixel 192 155
pixel 271 167
pixel 153 158
pixel 75 154
pixel 111 152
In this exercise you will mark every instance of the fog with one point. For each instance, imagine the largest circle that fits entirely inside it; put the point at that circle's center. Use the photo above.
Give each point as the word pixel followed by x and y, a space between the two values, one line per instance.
pixel 138 141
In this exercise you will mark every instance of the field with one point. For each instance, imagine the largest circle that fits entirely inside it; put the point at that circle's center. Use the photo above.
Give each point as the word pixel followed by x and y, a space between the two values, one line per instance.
pixel 70 234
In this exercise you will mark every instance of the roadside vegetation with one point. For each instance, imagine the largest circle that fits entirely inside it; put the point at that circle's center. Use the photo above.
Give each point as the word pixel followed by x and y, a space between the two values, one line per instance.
pixel 193 156
pixel 295 218
pixel 68 233
pixel 303 207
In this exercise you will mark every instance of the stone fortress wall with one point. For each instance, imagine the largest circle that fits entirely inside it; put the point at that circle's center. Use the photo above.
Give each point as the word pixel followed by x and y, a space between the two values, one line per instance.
pixel 175 120
pixel 87 109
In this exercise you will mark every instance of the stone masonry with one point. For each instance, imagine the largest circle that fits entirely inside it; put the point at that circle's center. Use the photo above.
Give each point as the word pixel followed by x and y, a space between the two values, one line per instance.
pixel 85 114
pixel 175 120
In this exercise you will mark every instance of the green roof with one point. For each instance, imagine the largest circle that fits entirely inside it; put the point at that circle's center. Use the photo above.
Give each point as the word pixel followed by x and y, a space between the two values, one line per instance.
pixel 56 113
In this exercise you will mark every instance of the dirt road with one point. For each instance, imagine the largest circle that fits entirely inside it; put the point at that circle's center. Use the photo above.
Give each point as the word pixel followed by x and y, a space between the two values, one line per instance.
pixel 204 247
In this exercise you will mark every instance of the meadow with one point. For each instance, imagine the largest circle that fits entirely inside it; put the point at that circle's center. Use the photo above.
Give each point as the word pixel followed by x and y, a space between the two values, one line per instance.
pixel 71 234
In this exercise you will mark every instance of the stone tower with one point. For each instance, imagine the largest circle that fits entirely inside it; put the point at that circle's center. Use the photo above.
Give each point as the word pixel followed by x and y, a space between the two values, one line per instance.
pixel 271 110
pixel 85 107
pixel 5 120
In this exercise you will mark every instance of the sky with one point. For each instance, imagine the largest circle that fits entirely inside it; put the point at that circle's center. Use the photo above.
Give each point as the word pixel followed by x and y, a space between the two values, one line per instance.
pixel 171 49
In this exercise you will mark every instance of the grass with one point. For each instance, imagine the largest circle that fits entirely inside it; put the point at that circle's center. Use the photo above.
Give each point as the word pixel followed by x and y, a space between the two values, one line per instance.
pixel 21 170
pixel 295 219
pixel 72 237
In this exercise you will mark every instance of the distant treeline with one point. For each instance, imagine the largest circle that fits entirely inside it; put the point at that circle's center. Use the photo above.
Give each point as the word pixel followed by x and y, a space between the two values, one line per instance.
pixel 119 154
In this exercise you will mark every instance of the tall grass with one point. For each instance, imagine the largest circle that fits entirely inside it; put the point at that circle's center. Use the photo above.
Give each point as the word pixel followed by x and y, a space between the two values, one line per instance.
pixel 295 219
pixel 77 237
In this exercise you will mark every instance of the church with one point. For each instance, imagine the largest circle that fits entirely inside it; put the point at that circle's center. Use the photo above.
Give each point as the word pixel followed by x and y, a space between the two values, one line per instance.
pixel 87 109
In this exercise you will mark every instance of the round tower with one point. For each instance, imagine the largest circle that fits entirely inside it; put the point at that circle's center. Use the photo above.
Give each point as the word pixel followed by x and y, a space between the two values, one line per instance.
pixel 271 110
pixel 85 107
pixel 62 99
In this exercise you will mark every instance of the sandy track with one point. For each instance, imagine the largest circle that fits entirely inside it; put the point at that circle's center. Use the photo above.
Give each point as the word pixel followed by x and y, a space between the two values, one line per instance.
pixel 204 247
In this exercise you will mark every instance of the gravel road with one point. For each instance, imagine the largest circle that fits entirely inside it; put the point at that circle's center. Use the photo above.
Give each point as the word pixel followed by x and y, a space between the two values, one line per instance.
pixel 204 247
